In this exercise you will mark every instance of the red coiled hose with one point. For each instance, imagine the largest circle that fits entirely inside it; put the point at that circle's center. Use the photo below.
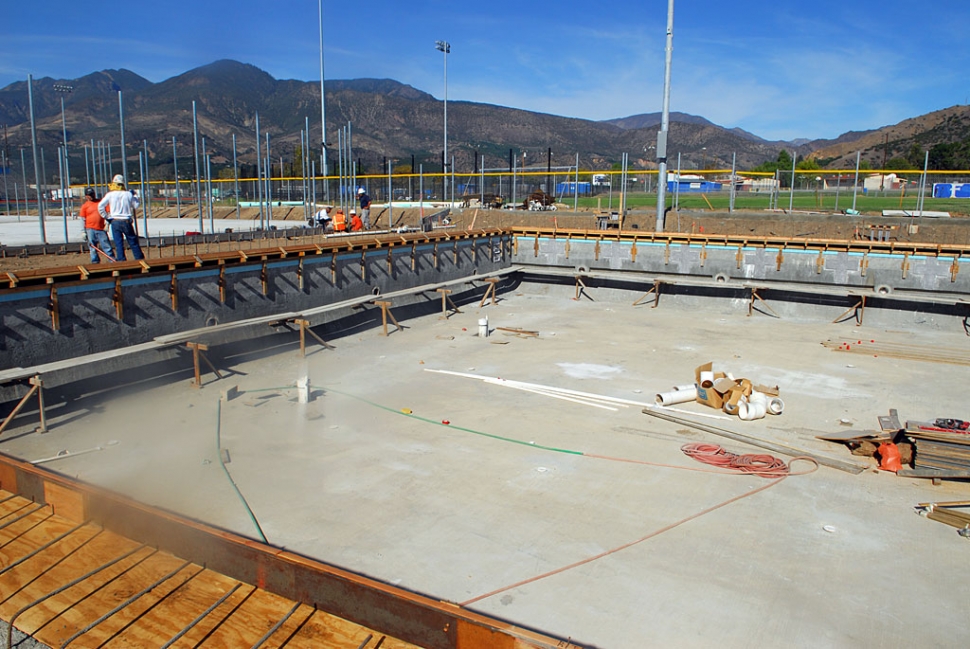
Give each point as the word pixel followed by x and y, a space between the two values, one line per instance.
pixel 765 466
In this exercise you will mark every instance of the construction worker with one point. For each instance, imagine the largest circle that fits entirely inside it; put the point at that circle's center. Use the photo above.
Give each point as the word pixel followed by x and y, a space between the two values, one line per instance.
pixel 122 206
pixel 356 225
pixel 94 227
pixel 364 207
pixel 339 221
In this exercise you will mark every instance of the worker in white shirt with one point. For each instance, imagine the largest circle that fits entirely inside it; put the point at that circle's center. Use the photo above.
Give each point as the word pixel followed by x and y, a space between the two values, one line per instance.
pixel 119 207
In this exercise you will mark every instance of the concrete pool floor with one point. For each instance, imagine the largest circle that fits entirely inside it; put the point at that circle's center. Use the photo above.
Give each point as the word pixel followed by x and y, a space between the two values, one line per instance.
pixel 479 504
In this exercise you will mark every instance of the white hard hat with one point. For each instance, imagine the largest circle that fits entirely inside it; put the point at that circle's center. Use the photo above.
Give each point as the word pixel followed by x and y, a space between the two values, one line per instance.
pixel 353 211
pixel 360 191
pixel 118 179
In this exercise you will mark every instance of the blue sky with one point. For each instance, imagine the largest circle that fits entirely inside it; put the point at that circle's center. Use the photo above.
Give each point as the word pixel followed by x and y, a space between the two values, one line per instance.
pixel 780 70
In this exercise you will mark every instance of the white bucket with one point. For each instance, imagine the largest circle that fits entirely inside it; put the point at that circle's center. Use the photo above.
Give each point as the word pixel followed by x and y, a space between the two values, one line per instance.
pixel 483 327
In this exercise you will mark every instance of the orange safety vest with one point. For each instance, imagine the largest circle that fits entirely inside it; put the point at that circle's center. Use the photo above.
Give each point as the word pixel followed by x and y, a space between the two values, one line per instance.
pixel 339 222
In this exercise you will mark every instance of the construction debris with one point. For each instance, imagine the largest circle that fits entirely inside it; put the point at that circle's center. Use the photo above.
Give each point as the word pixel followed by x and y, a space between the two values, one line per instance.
pixel 939 448
pixel 722 391
pixel 928 353
pixel 948 513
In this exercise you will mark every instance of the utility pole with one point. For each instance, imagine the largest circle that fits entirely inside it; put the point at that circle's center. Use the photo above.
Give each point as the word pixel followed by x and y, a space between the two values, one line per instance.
pixel 67 165
pixel 664 123
pixel 445 48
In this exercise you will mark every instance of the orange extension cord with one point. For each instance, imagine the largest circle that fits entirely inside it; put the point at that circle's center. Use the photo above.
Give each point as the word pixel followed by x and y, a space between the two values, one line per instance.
pixel 762 465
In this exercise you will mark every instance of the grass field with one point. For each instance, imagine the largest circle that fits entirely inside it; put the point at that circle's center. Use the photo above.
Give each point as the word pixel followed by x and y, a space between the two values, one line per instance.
pixel 803 200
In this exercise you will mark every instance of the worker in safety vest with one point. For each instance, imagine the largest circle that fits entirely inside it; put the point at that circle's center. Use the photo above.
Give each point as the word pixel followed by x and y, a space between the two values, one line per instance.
pixel 339 221
pixel 356 225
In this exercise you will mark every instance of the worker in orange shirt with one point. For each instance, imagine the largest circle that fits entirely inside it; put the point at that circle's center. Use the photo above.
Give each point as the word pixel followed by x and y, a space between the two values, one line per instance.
pixel 339 221
pixel 356 225
pixel 94 227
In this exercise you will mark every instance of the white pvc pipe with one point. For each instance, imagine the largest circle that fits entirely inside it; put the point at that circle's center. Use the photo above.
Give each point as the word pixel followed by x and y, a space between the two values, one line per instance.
pixel 731 409
pixel 692 386
pixel 751 411
pixel 677 396
pixel 707 379
pixel 548 393
pixel 776 406
pixel 522 384
pixel 758 397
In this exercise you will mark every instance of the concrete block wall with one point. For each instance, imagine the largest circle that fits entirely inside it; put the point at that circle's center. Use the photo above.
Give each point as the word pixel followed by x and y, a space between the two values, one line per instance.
pixel 883 271
pixel 89 323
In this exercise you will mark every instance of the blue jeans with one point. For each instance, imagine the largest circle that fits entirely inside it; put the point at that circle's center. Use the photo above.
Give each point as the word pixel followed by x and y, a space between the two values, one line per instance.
pixel 122 230
pixel 98 239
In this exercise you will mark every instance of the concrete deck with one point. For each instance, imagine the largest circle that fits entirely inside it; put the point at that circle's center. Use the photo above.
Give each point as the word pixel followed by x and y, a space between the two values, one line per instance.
pixel 462 509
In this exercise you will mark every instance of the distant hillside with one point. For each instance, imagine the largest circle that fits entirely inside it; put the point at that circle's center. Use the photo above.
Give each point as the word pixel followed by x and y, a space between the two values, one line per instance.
pixel 926 131
pixel 85 94
pixel 646 120
pixel 389 120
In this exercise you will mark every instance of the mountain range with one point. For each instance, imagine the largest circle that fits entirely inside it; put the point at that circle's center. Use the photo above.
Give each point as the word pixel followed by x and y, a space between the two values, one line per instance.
pixel 388 120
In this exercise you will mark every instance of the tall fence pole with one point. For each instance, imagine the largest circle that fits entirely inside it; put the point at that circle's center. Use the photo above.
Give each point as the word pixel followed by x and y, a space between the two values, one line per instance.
pixel 855 185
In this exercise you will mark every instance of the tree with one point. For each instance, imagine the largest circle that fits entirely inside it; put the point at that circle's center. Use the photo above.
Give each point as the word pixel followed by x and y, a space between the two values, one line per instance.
pixel 915 156
pixel 898 164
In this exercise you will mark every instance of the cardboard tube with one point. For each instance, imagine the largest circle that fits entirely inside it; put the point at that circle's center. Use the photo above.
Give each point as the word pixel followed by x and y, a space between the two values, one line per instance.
pixel 707 379
pixel 776 406
pixel 677 396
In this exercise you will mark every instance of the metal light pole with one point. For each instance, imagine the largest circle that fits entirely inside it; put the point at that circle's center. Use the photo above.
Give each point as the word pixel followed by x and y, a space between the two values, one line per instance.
pixel 791 192
pixel 67 165
pixel 6 193
pixel 178 195
pixel 664 122
pixel 855 184
pixel 23 168
pixel 445 48
pixel 124 149
pixel 323 111
pixel 33 141
pixel 198 183
pixel 235 175
pixel 259 175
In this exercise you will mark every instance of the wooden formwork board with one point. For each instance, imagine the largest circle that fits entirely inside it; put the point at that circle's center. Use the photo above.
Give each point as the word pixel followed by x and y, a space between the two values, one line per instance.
pixel 183 591
pixel 89 529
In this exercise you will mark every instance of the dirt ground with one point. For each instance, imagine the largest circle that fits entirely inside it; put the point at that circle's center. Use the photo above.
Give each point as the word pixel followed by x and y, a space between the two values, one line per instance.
pixel 839 227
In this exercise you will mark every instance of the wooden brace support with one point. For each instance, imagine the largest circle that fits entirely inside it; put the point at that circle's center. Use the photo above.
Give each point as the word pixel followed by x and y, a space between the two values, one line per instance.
pixel 491 281
pixel 445 301
pixel 859 308
pixel 385 313
pixel 37 385
pixel 755 296
pixel 305 329
pixel 197 349
pixel 656 294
